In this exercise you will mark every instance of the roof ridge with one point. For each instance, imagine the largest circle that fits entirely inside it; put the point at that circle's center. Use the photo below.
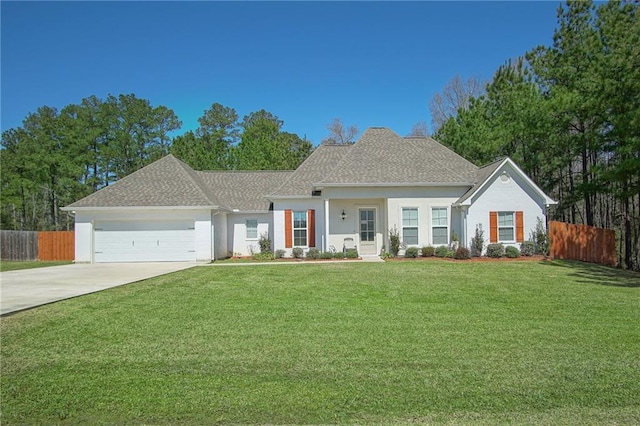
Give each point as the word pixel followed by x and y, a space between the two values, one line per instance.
pixel 195 179
pixel 439 146
pixel 243 171
pixel 499 160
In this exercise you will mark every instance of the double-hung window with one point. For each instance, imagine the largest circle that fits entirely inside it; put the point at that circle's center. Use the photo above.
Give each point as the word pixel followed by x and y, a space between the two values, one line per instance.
pixel 506 226
pixel 439 225
pixel 300 229
pixel 252 229
pixel 410 226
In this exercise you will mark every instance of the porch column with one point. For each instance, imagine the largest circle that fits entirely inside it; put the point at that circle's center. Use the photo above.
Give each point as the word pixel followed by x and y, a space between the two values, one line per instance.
pixel 325 242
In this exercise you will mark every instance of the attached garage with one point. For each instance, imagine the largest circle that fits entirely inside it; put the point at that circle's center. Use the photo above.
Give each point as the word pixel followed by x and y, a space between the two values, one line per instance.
pixel 144 241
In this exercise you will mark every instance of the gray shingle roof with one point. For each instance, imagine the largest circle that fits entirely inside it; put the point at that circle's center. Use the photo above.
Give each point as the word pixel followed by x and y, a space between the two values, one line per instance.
pixel 166 182
pixel 381 156
pixel 245 190
pixel 315 168
pixel 482 174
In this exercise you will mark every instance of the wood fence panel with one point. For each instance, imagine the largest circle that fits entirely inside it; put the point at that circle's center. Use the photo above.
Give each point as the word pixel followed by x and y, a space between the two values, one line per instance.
pixel 18 245
pixel 582 242
pixel 56 245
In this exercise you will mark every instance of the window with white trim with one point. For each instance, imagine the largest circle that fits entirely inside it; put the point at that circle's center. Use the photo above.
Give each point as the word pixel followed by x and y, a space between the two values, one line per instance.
pixel 299 229
pixel 410 225
pixel 506 226
pixel 439 226
pixel 251 226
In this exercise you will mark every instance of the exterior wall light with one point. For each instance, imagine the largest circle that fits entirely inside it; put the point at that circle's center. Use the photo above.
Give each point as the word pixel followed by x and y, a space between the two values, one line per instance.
pixel 343 215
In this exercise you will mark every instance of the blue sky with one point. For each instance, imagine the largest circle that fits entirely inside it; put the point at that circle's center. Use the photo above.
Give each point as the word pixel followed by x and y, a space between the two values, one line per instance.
pixel 370 64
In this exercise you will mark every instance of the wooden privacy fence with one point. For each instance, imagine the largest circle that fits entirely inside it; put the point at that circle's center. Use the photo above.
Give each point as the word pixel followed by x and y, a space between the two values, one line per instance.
pixel 582 242
pixel 33 245
pixel 56 245
pixel 19 245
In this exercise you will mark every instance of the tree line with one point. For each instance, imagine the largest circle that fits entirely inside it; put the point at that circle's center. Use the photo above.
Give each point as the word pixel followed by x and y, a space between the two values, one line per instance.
pixel 569 115
pixel 59 156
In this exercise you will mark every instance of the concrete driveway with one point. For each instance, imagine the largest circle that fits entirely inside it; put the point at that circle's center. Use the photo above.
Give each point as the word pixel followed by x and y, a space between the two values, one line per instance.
pixel 28 288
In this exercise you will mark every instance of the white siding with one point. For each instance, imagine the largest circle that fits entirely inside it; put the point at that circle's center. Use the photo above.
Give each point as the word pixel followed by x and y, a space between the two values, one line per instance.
pixel 512 195
pixel 84 238
pixel 220 236
pixel 238 243
pixel 278 220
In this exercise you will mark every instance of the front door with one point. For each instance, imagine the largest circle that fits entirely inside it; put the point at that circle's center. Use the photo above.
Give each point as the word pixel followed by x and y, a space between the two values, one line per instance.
pixel 368 231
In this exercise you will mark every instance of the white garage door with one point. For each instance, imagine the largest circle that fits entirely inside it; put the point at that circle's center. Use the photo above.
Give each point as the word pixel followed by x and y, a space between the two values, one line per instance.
pixel 149 241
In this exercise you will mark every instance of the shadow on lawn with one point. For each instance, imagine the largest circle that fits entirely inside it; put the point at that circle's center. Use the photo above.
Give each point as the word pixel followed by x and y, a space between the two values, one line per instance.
pixel 597 274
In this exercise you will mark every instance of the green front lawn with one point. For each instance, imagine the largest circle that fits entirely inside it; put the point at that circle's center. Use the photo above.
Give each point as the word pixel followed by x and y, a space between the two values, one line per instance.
pixel 378 343
pixel 10 265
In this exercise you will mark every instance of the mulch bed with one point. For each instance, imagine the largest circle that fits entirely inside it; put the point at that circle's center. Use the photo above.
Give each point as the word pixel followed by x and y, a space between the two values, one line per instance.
pixel 473 259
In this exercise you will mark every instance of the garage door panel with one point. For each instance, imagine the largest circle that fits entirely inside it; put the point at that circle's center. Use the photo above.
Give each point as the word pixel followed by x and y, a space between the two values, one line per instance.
pixel 144 241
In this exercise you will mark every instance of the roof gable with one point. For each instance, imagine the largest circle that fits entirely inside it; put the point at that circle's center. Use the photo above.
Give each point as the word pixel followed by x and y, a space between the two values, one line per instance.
pixel 166 182
pixel 488 172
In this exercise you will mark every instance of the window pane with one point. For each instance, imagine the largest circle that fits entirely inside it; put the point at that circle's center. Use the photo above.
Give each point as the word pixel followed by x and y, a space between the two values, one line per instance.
pixel 439 217
pixel 505 218
pixel 363 215
pixel 300 237
pixel 299 219
pixel 410 235
pixel 440 235
pixel 505 234
pixel 409 217
pixel 252 228
pixel 371 236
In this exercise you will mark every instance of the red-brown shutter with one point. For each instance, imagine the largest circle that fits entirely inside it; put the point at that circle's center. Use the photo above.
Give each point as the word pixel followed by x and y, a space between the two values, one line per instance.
pixel 519 227
pixel 288 229
pixel 493 227
pixel 311 232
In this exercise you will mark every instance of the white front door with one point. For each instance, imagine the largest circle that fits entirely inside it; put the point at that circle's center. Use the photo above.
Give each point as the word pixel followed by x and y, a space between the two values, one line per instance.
pixel 367 219
pixel 144 241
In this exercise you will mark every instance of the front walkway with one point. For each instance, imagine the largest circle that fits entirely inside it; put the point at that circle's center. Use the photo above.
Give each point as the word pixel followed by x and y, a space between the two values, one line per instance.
pixel 28 288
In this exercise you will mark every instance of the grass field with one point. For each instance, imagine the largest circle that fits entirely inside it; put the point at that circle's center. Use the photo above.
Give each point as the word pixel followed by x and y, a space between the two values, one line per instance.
pixel 379 343
pixel 8 265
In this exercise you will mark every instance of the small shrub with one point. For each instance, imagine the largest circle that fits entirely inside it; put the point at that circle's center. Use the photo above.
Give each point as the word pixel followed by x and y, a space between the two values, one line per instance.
pixel 394 240
pixel 428 251
pixel 450 253
pixel 512 252
pixel 280 253
pixel 313 254
pixel 441 251
pixel 528 248
pixel 352 254
pixel 540 237
pixel 462 253
pixel 262 256
pixel 495 250
pixel 297 252
pixel 326 255
pixel 477 242
pixel 387 255
pixel 338 255
pixel 411 252
pixel 455 241
pixel 265 243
